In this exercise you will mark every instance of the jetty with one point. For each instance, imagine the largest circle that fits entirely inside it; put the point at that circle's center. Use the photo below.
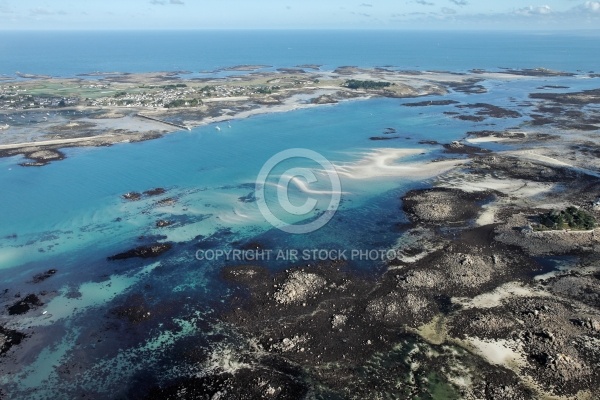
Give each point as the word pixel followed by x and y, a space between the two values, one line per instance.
pixel 164 122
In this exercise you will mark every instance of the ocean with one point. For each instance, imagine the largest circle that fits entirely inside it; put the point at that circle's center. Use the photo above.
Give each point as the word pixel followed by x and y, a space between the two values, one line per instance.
pixel 70 215
pixel 71 53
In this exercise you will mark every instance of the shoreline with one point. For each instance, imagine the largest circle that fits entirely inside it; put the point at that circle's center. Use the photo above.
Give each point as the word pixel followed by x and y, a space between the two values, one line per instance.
pixel 101 122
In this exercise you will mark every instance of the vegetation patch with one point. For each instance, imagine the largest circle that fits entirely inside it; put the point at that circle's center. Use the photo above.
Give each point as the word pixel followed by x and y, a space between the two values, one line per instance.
pixel 570 218
pixel 356 84
pixel 183 103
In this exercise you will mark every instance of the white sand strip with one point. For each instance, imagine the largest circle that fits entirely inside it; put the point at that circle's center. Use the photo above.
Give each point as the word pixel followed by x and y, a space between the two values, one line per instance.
pixel 487 139
pixel 383 163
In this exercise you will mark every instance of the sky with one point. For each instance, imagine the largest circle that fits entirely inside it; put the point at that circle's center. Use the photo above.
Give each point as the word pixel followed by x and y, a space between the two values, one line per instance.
pixel 298 14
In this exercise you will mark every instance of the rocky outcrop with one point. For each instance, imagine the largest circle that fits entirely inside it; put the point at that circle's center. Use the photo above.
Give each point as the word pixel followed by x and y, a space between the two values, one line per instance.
pixel 24 305
pixel 298 287
pixel 163 223
pixel 154 192
pixel 132 196
pixel 443 205
pixel 41 157
pixel 43 276
pixel 9 338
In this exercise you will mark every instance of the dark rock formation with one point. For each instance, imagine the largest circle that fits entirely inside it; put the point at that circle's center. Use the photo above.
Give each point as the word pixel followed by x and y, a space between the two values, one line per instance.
pixel 154 192
pixel 22 306
pixel 163 223
pixel 43 276
pixel 8 339
pixel 468 86
pixel 132 196
pixel 443 205
pixel 427 103
pixel 490 110
pixel 384 137
pixel 460 148
pixel 150 251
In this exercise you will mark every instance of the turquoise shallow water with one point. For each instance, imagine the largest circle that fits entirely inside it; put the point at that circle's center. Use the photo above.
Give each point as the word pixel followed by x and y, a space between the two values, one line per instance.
pixel 69 215
pixel 208 169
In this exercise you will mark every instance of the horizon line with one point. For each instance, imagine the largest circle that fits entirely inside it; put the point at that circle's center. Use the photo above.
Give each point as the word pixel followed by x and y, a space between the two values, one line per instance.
pixel 374 29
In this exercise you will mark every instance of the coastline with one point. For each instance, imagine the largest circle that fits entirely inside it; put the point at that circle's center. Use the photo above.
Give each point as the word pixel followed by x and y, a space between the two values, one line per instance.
pixel 103 123
pixel 470 282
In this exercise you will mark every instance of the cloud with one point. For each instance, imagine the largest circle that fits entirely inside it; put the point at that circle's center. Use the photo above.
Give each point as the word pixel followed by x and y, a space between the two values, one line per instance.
pixel 592 6
pixel 424 3
pixel 163 2
pixel 5 10
pixel 534 10
pixel 582 14
pixel 36 12
pixel 459 2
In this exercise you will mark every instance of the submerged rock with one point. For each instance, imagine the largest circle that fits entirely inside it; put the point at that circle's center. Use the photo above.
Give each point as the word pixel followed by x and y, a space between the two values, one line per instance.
pixel 153 250
pixel 135 309
pixel 384 137
pixel 43 276
pixel 169 201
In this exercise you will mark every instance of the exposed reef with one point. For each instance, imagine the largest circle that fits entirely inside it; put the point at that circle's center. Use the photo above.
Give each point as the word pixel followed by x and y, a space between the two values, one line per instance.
pixel 24 305
pixel 442 205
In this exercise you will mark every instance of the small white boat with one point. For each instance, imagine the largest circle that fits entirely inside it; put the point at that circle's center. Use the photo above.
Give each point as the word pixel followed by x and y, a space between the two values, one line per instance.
pixel 228 125
pixel 218 128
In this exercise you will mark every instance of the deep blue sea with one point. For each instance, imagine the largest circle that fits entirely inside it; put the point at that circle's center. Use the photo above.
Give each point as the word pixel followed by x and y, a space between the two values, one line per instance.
pixel 71 53
pixel 70 215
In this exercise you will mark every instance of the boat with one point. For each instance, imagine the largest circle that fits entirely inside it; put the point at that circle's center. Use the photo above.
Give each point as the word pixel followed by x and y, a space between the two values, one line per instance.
pixel 218 128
